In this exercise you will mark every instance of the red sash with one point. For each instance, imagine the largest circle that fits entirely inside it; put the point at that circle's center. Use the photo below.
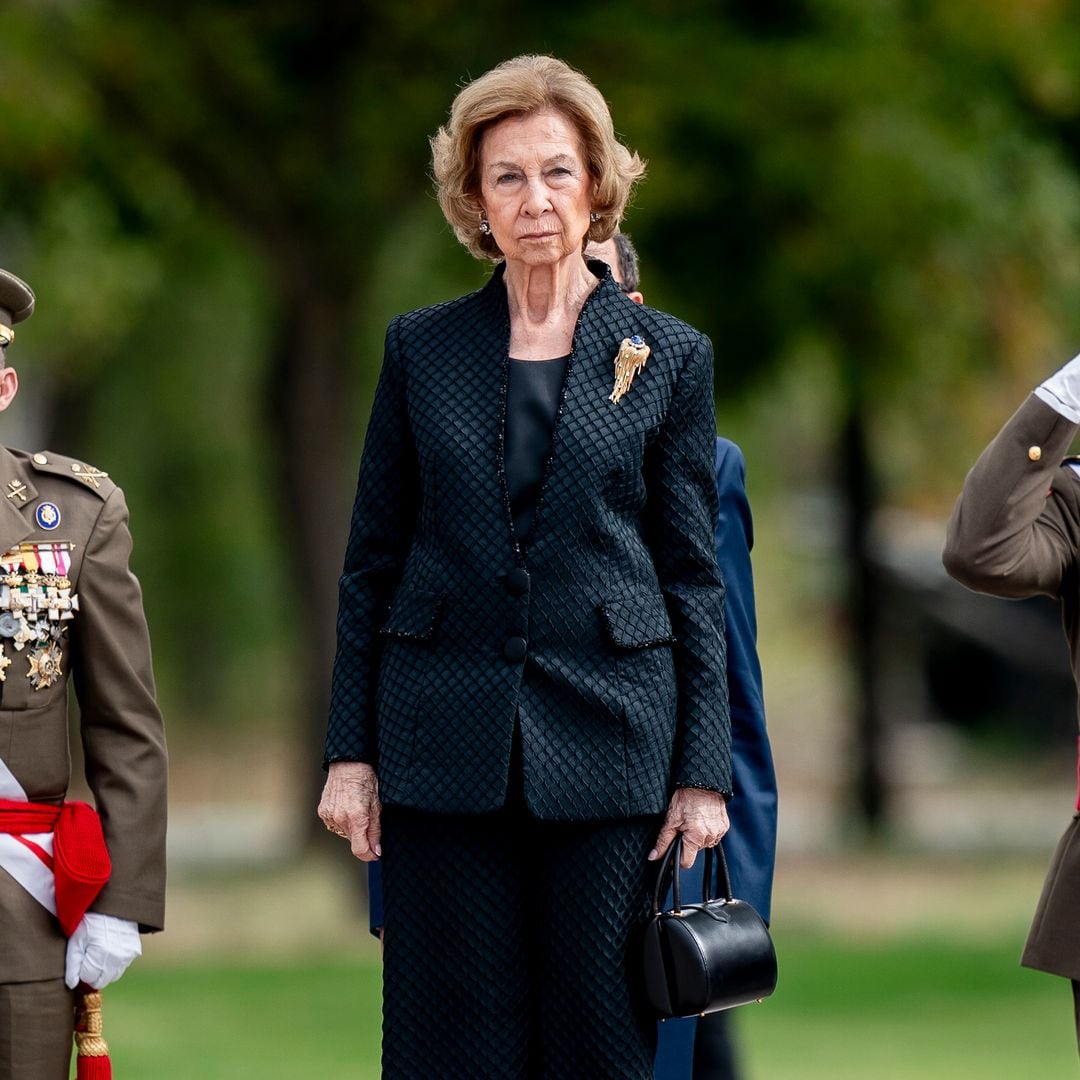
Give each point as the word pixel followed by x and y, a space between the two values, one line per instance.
pixel 80 860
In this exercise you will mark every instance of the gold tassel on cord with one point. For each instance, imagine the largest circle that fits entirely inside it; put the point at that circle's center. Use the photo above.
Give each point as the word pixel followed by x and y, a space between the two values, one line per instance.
pixel 93 1061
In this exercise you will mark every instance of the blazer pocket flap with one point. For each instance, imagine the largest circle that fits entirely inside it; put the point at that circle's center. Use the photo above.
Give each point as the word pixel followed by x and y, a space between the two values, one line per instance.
pixel 414 615
pixel 636 622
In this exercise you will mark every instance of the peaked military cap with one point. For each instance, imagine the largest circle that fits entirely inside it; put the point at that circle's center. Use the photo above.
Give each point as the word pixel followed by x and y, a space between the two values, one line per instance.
pixel 16 304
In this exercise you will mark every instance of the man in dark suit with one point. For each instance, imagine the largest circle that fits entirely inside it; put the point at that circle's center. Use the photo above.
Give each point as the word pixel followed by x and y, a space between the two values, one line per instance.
pixel 702 1048
pixel 750 844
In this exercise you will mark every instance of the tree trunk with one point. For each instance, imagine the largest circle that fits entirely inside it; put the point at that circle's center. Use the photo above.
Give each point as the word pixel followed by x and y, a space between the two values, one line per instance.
pixel 307 401
pixel 864 591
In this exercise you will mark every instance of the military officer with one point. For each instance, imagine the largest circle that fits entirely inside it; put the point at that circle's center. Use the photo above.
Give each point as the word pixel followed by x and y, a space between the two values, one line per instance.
pixel 76 889
pixel 1015 532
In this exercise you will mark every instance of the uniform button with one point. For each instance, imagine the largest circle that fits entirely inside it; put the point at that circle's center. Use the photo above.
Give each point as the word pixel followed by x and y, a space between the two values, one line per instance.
pixel 1034 453
pixel 41 459
pixel 517 581
pixel 515 648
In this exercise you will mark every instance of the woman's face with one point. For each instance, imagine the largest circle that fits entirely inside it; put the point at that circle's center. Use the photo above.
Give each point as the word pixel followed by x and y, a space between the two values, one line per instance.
pixel 534 187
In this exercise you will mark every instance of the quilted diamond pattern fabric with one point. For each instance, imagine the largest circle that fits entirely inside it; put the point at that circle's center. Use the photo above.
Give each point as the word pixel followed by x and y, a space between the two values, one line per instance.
pixel 609 648
pixel 530 965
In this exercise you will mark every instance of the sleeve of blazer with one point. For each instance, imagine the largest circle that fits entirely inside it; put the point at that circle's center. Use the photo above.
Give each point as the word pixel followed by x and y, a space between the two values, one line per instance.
pixel 681 514
pixel 122 733
pixel 383 519
pixel 750 845
pixel 1015 528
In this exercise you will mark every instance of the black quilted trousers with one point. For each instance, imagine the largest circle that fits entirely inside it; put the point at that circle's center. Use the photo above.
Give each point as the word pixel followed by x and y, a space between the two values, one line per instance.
pixel 512 947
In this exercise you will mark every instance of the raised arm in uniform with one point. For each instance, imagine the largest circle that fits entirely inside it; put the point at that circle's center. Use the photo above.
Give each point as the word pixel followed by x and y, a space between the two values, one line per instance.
pixel 1015 532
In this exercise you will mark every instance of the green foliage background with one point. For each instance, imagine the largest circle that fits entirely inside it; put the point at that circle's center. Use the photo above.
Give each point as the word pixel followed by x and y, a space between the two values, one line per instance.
pixel 870 205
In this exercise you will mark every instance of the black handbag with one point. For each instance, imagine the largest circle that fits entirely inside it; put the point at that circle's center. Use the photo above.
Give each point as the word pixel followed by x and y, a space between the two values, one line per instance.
pixel 709 956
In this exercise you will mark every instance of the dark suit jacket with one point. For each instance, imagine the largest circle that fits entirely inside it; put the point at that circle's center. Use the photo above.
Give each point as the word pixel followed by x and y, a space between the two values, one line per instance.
pixel 750 845
pixel 106 654
pixel 601 634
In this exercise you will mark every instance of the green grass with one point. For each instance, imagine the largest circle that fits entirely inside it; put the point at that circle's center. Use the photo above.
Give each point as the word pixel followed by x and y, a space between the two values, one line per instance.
pixel 272 1022
pixel 909 1010
pixel 905 1009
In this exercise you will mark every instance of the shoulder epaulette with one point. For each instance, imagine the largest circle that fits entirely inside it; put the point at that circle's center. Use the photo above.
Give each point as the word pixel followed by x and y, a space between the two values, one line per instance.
pixel 95 480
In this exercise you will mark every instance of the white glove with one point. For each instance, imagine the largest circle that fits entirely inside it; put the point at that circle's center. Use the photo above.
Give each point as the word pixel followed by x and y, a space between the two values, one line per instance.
pixel 1062 391
pixel 100 950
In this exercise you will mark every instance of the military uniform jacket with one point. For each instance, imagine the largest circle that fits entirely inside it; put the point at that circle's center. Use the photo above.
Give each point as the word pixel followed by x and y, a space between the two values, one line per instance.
pixel 105 652
pixel 1015 532
pixel 601 634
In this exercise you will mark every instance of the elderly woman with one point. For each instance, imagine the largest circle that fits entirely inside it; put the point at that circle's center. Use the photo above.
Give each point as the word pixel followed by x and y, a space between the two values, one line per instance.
pixel 529 695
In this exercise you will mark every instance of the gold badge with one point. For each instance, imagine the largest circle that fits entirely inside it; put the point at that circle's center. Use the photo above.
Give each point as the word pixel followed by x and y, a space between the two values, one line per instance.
pixel 88 474
pixel 45 666
pixel 633 352
pixel 17 490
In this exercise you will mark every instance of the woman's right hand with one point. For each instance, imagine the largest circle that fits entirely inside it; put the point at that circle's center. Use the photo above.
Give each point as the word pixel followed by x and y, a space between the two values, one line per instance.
pixel 350 807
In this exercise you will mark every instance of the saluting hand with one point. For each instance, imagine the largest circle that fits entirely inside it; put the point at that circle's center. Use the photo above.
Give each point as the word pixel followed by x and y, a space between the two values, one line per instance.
pixel 701 817
pixel 350 807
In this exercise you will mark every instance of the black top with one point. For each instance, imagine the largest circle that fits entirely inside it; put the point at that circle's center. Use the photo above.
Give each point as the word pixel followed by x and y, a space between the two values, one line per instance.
pixel 532 402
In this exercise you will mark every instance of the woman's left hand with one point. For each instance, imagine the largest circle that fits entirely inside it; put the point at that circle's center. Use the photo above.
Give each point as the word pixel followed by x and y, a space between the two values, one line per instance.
pixel 701 817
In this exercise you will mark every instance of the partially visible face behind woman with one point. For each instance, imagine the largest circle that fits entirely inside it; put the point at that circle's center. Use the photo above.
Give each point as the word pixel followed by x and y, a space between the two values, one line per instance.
pixel 534 187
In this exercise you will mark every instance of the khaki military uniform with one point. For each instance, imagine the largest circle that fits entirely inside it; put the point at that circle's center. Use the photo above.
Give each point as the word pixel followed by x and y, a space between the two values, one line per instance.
pixel 52 504
pixel 1015 532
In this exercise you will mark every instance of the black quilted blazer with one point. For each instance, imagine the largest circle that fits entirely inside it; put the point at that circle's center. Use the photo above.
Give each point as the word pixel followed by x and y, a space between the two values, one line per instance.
pixel 603 633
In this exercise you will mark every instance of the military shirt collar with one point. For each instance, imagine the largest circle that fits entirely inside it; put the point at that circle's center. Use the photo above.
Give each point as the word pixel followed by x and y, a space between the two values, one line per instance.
pixel 17 486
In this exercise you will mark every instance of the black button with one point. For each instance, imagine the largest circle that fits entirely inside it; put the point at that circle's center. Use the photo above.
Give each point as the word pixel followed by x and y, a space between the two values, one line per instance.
pixel 515 648
pixel 517 581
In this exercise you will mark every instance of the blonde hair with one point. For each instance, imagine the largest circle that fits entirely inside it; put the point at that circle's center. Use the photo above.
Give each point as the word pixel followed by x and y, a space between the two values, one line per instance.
pixel 518 87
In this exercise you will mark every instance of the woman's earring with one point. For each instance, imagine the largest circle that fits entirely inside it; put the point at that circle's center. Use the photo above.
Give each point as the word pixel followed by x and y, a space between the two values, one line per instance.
pixel 485 227
pixel 594 216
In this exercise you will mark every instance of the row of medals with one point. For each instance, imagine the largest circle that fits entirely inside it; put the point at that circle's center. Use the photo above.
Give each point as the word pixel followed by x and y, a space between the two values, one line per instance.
pixel 34 611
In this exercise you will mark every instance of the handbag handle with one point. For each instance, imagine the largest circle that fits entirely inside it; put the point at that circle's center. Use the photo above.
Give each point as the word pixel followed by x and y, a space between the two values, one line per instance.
pixel 672 861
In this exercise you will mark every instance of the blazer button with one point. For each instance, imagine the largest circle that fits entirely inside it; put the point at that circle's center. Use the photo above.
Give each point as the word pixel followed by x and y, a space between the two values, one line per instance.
pixel 515 648
pixel 517 581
